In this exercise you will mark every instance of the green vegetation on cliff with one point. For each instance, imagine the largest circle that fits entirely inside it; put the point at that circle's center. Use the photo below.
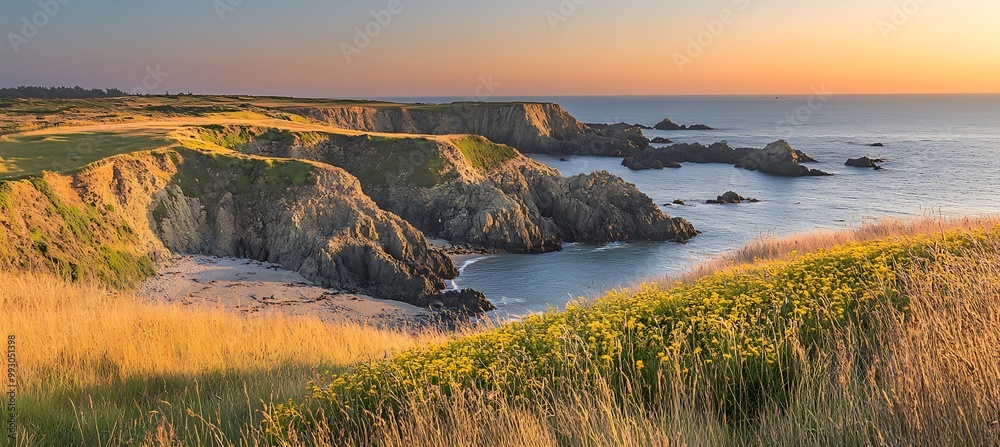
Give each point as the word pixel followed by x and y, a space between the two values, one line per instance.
pixel 483 153
pixel 411 161
pixel 41 231
pixel 239 172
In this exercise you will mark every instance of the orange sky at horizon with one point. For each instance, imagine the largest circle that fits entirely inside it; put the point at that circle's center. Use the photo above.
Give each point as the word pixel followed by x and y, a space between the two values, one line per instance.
pixel 598 48
pixel 758 52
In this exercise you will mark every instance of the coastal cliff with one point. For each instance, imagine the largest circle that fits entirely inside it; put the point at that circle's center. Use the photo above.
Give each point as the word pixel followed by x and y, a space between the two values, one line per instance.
pixel 541 128
pixel 471 191
pixel 119 214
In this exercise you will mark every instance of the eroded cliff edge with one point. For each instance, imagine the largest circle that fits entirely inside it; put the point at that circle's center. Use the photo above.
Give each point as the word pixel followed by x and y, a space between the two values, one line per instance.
pixel 541 128
pixel 115 216
pixel 471 191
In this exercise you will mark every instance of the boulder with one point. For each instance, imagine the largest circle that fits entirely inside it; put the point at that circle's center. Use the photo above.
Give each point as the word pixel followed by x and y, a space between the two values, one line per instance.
pixel 651 164
pixel 463 302
pixel 679 202
pixel 660 140
pixel 730 197
pixel 877 145
pixel 864 162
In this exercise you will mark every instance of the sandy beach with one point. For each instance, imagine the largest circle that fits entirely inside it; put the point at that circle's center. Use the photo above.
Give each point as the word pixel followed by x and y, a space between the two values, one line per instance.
pixel 258 289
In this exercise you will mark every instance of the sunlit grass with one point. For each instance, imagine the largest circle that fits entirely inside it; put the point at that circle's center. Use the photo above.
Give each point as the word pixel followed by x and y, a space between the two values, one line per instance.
pixel 742 345
pixel 887 340
pixel 22 156
pixel 95 364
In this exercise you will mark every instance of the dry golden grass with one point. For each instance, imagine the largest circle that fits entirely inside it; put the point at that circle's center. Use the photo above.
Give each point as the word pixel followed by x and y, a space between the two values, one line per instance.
pixel 95 364
pixel 64 330
pixel 926 376
pixel 767 248
pixel 929 376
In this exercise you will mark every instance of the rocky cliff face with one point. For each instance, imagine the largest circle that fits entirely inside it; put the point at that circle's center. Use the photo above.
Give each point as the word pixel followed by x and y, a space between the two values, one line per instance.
pixel 778 158
pixel 308 217
pixel 529 127
pixel 471 191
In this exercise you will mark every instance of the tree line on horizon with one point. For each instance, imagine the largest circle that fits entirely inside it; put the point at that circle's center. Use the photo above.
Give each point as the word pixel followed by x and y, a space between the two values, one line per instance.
pixel 36 92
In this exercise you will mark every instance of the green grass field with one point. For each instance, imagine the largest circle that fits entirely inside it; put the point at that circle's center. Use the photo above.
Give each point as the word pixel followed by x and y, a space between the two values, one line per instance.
pixel 23 156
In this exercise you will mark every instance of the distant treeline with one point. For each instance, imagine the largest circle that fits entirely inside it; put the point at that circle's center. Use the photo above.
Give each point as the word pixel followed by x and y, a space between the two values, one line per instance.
pixel 59 93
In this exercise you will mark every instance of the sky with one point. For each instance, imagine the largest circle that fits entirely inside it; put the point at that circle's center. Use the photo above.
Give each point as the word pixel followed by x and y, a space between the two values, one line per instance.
pixel 391 48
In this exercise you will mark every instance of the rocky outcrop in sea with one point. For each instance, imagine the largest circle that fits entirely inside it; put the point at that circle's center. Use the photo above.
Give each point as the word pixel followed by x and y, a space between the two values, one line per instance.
pixel 667 124
pixel 778 158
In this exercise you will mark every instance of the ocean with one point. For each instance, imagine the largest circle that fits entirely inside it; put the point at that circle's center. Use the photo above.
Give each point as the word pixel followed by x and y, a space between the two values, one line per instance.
pixel 942 154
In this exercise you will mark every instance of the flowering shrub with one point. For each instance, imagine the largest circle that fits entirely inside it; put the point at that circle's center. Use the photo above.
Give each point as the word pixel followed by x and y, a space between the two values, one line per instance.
pixel 736 327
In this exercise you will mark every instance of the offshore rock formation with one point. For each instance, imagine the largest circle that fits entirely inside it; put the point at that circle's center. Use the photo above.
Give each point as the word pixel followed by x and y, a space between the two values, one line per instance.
pixel 778 158
pixel 865 162
pixel 530 127
pixel 731 198
pixel 471 191
pixel 307 217
pixel 667 124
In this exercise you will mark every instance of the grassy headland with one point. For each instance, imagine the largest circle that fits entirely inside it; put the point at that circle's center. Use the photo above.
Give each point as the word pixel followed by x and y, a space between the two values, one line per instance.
pixel 889 341
pixel 860 344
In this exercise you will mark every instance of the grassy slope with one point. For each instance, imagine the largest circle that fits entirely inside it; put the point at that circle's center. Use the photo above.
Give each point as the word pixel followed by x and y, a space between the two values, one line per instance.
pixel 378 161
pixel 806 350
pixel 482 153
pixel 751 339
pixel 24 156
pixel 97 367
pixel 42 229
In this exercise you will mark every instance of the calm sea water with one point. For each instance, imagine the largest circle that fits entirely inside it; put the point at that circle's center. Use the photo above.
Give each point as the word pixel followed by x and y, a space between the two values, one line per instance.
pixel 942 157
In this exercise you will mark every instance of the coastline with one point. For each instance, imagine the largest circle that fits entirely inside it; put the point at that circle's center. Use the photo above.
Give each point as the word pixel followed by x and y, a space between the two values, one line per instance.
pixel 257 289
